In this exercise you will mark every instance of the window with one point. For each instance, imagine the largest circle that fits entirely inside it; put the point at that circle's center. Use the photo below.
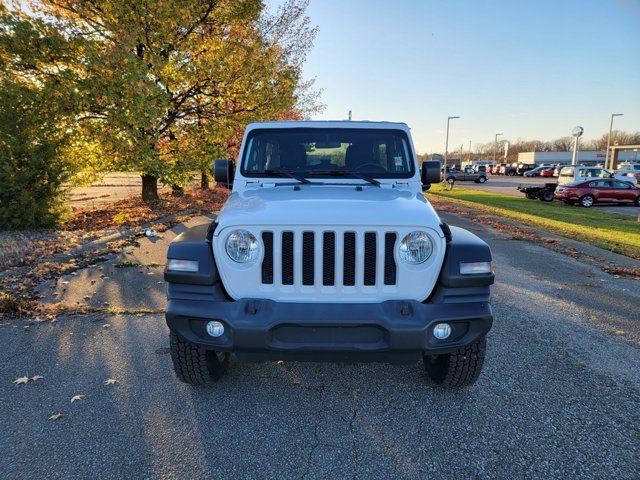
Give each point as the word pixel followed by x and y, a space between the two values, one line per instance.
pixel 566 172
pixel 326 152
pixel 620 184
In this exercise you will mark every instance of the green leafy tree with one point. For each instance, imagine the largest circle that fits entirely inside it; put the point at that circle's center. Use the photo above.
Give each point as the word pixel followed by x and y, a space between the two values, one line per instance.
pixel 32 169
pixel 162 85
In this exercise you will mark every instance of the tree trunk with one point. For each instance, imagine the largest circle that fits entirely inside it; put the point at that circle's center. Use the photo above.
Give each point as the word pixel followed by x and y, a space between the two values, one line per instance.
pixel 149 189
pixel 204 180
pixel 177 190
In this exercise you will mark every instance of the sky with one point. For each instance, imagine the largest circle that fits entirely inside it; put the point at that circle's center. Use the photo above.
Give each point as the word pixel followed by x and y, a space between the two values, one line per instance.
pixel 528 69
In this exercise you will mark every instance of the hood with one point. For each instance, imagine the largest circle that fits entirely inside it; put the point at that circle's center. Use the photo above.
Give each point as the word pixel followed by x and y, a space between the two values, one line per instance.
pixel 328 205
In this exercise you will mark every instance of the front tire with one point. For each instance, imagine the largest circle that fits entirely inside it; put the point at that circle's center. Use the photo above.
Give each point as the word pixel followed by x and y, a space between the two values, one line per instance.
pixel 481 179
pixel 194 364
pixel 458 369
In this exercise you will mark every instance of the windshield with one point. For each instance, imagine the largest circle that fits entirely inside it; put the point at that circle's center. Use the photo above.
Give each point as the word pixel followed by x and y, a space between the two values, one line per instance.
pixel 324 152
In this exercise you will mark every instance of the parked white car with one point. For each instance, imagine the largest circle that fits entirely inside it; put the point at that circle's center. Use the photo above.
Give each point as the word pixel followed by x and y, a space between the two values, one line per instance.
pixel 327 250
pixel 629 170
pixel 580 173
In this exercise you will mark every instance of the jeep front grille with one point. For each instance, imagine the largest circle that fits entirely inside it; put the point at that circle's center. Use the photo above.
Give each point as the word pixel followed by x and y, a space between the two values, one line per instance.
pixel 320 253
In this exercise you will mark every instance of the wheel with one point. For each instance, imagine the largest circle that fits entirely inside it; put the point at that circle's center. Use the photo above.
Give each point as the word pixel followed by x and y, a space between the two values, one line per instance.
pixel 530 196
pixel 547 196
pixel 459 369
pixel 587 201
pixel 195 364
pixel 512 173
pixel 481 179
pixel 637 201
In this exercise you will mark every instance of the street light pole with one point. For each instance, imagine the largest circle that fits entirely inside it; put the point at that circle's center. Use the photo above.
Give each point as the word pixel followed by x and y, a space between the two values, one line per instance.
pixel 495 147
pixel 606 155
pixel 469 151
pixel 446 145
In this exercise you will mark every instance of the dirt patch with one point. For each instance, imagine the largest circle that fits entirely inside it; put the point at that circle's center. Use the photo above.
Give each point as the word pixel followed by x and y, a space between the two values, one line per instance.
pixel 134 212
pixel 22 253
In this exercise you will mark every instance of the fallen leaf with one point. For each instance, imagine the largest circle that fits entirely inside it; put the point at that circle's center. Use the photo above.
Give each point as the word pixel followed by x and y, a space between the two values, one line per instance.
pixel 111 381
pixel 21 380
pixel 77 398
pixel 36 378
pixel 55 417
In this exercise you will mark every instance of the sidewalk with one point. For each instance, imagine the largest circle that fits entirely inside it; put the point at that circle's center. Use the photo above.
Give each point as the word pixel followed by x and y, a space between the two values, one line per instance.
pixel 130 281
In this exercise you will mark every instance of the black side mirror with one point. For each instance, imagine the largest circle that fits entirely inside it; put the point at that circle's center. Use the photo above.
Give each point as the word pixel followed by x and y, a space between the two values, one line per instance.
pixel 223 172
pixel 430 173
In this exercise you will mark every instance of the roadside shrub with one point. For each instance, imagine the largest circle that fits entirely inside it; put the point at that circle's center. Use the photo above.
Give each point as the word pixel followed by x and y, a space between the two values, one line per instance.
pixel 32 171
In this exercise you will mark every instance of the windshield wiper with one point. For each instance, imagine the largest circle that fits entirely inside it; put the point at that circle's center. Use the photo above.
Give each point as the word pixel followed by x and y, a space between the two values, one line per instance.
pixel 344 173
pixel 287 173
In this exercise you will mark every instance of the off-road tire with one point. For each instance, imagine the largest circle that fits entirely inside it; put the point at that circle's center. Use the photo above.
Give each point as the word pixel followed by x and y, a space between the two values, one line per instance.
pixel 194 364
pixel 459 369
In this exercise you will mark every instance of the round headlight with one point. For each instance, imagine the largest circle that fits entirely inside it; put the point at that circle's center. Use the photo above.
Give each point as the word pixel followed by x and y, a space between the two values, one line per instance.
pixel 242 246
pixel 415 248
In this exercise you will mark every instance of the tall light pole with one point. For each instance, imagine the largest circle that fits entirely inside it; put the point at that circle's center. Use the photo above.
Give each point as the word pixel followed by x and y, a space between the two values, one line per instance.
pixel 606 155
pixel 495 147
pixel 576 133
pixel 446 145
pixel 469 151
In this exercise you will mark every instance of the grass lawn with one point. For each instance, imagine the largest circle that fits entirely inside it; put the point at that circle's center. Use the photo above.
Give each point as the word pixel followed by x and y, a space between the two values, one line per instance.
pixel 618 233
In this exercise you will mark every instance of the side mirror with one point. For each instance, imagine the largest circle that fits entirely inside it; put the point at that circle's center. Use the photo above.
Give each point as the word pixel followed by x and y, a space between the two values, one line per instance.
pixel 430 172
pixel 223 172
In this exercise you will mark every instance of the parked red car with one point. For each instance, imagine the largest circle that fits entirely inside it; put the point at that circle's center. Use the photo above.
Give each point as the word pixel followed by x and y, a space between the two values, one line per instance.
pixel 547 172
pixel 608 190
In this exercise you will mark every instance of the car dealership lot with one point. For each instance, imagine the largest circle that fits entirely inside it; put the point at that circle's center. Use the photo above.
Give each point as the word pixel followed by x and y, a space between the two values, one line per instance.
pixel 507 186
pixel 558 396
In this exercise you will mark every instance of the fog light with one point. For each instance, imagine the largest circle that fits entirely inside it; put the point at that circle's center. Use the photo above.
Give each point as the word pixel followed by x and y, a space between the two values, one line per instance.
pixel 215 329
pixel 442 331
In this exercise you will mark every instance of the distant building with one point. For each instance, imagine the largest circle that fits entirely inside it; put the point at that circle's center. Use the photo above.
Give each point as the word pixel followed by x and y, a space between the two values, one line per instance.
pixel 587 157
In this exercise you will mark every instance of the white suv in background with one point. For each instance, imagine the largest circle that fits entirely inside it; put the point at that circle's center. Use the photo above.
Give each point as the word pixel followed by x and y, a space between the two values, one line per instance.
pixel 629 170
pixel 580 173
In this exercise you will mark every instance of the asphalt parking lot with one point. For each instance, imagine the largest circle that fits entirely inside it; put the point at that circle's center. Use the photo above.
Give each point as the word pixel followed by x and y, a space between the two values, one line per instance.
pixel 558 397
pixel 507 186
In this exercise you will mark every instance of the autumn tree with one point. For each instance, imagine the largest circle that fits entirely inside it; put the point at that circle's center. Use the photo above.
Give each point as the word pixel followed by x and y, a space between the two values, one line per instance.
pixel 161 86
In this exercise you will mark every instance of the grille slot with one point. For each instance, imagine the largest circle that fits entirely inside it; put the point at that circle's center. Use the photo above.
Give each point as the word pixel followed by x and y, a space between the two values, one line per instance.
pixel 370 258
pixel 267 263
pixel 308 258
pixel 349 272
pixel 287 258
pixel 347 259
pixel 389 261
pixel 329 258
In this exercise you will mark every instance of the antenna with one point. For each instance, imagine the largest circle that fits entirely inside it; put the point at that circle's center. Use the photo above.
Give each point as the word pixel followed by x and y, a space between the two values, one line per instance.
pixel 349 115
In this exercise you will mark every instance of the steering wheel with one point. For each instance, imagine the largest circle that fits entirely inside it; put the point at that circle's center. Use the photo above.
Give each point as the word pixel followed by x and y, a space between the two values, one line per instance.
pixel 376 167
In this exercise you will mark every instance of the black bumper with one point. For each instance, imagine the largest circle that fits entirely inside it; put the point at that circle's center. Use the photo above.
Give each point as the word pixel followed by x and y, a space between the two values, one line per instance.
pixel 393 331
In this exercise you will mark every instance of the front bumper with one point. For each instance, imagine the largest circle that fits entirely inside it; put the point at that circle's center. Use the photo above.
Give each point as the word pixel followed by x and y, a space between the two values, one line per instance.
pixel 396 331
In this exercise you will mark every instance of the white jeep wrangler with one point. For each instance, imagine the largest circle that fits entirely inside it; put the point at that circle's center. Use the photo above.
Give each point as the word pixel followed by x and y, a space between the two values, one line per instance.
pixel 327 250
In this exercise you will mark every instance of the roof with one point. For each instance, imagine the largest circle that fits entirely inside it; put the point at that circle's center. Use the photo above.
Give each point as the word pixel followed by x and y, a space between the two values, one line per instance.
pixel 329 124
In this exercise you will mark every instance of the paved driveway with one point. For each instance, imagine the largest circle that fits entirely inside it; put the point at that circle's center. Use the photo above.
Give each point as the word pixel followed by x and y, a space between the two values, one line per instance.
pixel 558 398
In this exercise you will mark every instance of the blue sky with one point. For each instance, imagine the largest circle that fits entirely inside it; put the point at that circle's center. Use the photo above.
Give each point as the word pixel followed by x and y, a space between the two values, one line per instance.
pixel 530 69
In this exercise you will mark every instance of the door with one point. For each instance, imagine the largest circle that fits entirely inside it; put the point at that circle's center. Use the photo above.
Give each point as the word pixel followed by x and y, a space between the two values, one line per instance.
pixel 602 190
pixel 622 192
